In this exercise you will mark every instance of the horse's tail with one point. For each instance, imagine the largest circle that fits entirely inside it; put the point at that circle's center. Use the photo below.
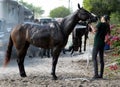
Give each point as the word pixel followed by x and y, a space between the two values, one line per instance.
pixel 8 52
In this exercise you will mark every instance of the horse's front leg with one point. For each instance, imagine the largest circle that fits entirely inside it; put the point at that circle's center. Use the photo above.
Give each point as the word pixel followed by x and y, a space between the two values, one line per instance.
pixel 86 36
pixel 48 53
pixel 85 45
pixel 80 44
pixel 55 54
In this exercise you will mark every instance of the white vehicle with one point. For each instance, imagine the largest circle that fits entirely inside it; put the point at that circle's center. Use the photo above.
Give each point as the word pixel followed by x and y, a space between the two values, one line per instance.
pixel 46 20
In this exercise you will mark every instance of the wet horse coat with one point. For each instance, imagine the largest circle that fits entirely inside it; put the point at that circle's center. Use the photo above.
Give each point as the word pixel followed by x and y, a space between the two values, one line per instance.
pixel 54 37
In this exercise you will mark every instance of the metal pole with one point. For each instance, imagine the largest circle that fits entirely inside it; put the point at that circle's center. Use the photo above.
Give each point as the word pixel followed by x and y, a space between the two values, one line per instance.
pixel 69 4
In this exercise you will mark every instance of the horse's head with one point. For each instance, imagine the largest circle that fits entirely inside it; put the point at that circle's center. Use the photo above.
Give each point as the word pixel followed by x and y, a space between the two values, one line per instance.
pixel 84 14
pixel 93 18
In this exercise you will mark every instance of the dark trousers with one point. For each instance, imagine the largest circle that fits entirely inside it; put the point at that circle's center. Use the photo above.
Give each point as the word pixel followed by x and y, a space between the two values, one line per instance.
pixel 98 50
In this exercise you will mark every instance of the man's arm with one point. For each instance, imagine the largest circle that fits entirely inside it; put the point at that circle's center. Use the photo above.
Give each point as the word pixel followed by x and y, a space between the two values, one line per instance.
pixel 93 28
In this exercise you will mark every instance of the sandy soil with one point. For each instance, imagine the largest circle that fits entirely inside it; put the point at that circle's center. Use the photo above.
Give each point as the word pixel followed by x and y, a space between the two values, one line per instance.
pixel 71 72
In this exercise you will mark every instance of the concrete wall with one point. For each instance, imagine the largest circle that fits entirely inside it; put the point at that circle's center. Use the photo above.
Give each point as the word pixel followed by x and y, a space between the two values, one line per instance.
pixel 8 14
pixel 11 14
pixel 3 14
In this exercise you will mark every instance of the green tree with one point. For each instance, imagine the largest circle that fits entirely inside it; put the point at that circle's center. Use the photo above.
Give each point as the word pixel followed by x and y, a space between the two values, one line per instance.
pixel 100 7
pixel 37 10
pixel 59 12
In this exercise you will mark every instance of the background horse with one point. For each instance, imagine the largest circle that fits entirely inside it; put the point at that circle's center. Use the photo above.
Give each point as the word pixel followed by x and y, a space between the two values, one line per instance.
pixel 52 37
pixel 81 29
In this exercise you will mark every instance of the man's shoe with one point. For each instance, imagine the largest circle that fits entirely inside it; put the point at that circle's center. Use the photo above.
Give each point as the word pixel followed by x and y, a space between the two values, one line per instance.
pixel 101 77
pixel 96 77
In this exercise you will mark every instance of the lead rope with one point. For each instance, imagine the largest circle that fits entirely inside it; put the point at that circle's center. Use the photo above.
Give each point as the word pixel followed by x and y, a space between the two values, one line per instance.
pixel 89 53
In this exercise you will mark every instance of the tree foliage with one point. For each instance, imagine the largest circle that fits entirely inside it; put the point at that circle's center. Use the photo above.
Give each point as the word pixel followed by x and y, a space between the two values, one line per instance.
pixel 59 12
pixel 37 10
pixel 100 7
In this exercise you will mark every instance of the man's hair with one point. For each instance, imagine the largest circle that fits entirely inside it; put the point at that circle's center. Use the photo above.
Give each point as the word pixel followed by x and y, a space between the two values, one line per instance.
pixel 106 17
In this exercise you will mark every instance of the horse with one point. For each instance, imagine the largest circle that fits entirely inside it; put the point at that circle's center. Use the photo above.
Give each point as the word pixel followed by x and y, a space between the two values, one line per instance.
pixel 45 37
pixel 81 29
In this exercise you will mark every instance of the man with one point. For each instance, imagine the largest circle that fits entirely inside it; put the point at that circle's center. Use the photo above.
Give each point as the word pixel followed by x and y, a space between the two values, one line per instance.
pixel 102 28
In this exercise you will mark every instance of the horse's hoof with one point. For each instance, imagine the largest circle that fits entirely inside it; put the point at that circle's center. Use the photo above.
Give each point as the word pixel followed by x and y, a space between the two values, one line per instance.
pixel 54 78
pixel 23 75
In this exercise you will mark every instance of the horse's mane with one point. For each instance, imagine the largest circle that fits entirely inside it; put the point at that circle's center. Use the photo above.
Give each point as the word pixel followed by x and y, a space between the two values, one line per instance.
pixel 67 18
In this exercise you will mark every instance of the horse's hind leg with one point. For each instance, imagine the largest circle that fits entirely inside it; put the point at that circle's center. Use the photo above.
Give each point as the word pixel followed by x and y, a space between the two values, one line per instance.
pixel 21 55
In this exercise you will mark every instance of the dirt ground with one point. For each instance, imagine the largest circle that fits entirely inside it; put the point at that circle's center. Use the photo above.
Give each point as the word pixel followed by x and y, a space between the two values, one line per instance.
pixel 71 72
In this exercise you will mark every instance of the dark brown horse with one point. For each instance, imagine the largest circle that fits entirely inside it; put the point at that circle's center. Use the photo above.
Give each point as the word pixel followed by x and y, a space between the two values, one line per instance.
pixel 81 29
pixel 54 37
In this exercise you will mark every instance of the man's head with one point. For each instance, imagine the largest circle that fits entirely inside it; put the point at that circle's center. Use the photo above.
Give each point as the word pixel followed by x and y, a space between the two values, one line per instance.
pixel 106 17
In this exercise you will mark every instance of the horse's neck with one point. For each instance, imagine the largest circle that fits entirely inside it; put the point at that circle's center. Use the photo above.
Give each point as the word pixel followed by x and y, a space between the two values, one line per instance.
pixel 69 24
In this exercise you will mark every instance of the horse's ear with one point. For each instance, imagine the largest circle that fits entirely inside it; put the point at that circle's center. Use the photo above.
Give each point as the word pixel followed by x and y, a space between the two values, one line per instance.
pixel 78 5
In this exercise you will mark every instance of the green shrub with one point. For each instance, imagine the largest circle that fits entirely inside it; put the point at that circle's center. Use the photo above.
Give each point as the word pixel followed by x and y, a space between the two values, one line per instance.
pixel 116 44
pixel 115 18
pixel 118 61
